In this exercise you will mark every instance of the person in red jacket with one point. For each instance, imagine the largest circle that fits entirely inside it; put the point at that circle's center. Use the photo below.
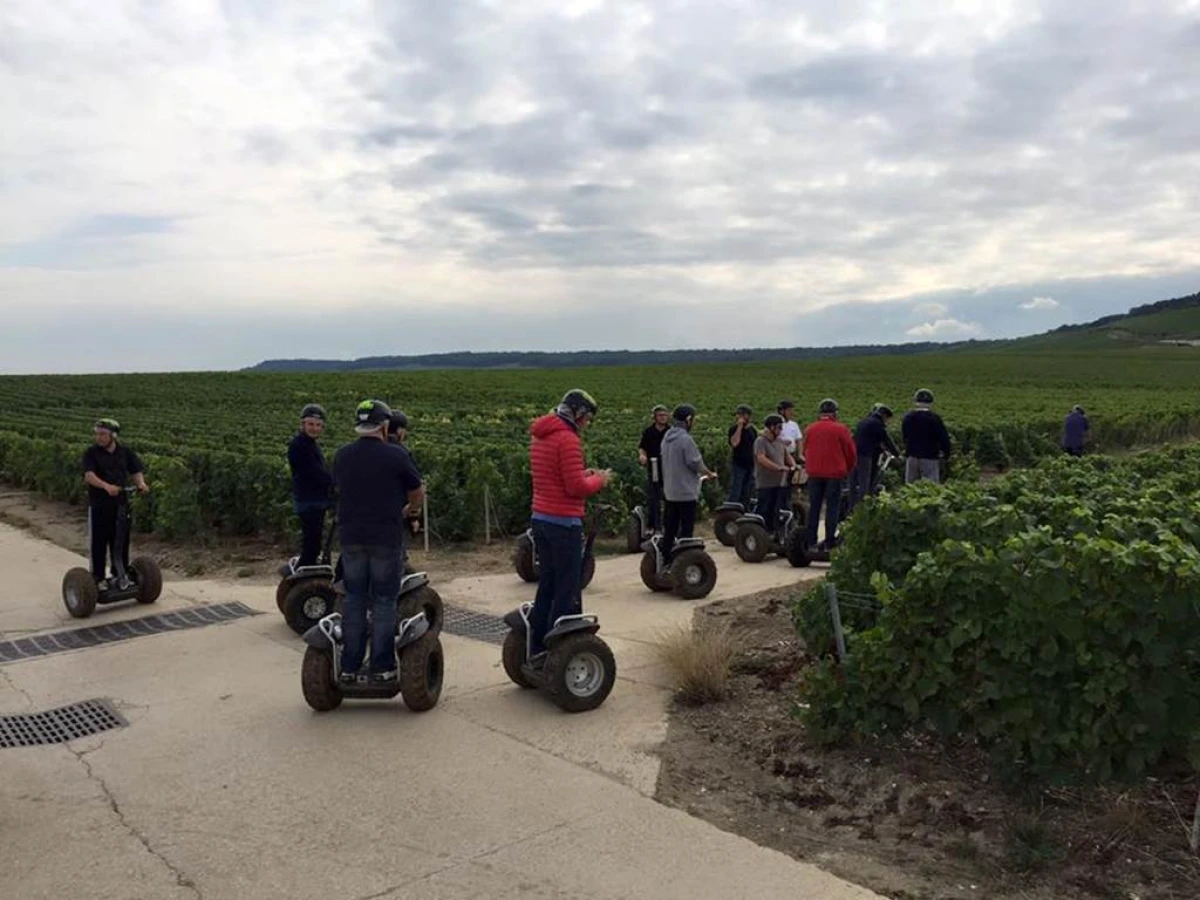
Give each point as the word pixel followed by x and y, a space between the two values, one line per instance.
pixel 561 486
pixel 830 456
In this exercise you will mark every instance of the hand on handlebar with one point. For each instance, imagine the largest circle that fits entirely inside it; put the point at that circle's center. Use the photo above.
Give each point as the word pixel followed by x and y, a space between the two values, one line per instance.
pixel 112 490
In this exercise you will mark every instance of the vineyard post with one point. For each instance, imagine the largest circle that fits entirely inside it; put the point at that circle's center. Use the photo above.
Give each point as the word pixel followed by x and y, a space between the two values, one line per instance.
pixel 425 515
pixel 487 513
pixel 1195 839
pixel 836 614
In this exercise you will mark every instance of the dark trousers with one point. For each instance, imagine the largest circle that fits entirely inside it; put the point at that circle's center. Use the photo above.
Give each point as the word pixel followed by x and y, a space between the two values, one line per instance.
pixel 312 527
pixel 1074 451
pixel 654 494
pixel 102 538
pixel 680 522
pixel 770 502
pixel 862 478
pixel 560 558
pixel 372 576
pixel 827 491
pixel 742 483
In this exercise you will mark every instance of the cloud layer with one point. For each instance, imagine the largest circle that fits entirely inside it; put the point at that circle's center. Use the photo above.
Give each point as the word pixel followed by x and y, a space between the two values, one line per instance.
pixel 586 173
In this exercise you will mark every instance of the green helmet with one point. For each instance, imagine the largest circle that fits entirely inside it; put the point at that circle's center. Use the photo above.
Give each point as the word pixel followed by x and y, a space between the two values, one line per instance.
pixel 371 415
pixel 109 425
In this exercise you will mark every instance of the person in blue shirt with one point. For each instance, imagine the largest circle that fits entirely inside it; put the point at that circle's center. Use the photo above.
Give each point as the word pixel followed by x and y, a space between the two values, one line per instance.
pixel 1076 431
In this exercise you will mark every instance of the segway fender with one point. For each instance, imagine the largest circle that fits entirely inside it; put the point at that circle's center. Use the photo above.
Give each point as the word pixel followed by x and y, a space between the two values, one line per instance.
pixel 411 630
pixel 326 634
pixel 566 625
pixel 518 619
pixel 754 518
pixel 727 506
pixel 412 582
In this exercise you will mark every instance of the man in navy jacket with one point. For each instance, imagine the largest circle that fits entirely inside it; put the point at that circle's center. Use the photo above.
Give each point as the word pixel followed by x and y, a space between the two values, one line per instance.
pixel 870 437
pixel 311 482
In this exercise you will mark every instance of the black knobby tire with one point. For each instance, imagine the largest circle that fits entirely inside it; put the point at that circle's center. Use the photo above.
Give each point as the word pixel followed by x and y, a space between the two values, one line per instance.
pixel 281 591
pixel 753 543
pixel 513 657
pixel 797 552
pixel 422 670
pixel 633 535
pixel 79 593
pixel 308 602
pixel 580 672
pixel 725 527
pixel 523 560
pixel 650 575
pixel 316 680
pixel 694 574
pixel 149 579
pixel 427 599
pixel 588 572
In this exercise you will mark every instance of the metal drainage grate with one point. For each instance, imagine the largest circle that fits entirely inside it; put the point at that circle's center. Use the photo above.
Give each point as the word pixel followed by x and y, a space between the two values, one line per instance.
pixel 477 625
pixel 57 726
pixel 94 635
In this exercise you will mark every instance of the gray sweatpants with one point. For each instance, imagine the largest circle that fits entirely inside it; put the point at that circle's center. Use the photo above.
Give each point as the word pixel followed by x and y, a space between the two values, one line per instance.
pixel 917 469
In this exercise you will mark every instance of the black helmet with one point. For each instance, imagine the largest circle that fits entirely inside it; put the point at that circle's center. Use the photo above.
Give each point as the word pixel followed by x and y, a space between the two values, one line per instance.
pixel 109 425
pixel 578 401
pixel 744 410
pixel 658 407
pixel 683 412
pixel 313 411
pixel 883 409
pixel 774 420
pixel 828 407
pixel 785 404
pixel 397 421
pixel 371 415
pixel 924 395
pixel 1078 409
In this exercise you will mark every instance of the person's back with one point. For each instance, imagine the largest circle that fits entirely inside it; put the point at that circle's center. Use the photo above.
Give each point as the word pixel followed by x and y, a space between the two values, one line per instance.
pixel 682 465
pixel 925 435
pixel 829 449
pixel 1075 431
pixel 373 480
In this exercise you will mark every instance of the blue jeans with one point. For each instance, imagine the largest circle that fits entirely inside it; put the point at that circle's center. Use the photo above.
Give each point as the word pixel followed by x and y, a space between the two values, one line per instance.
pixel 742 483
pixel 560 558
pixel 829 492
pixel 372 576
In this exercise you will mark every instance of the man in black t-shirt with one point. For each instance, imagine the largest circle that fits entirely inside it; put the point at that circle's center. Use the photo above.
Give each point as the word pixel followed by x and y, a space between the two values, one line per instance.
pixel 650 458
pixel 375 480
pixel 742 436
pixel 108 466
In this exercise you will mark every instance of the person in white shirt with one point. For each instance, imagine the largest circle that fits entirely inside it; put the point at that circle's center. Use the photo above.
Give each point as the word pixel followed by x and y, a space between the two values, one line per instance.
pixel 792 436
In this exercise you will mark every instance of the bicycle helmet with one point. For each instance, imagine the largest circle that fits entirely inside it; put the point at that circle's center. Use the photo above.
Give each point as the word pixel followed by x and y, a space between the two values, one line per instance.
pixel 1078 409
pixel 924 395
pixel 397 421
pixel 313 411
pixel 578 401
pixel 883 409
pixel 828 407
pixel 658 407
pixel 785 404
pixel 371 415
pixel 111 425
pixel 743 410
pixel 774 420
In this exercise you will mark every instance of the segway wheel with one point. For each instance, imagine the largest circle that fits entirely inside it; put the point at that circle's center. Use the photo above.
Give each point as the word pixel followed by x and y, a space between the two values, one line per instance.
pixel 513 657
pixel 725 527
pixel 650 574
pixel 589 571
pixel 281 591
pixel 422 667
pixel 580 672
pixel 316 680
pixel 523 560
pixel 694 573
pixel 307 603
pixel 427 599
pixel 797 552
pixel 79 593
pixel 633 535
pixel 149 579
pixel 752 543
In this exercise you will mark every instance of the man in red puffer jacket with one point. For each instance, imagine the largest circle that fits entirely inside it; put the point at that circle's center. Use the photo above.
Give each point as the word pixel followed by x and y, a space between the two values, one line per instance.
pixel 561 486
pixel 829 455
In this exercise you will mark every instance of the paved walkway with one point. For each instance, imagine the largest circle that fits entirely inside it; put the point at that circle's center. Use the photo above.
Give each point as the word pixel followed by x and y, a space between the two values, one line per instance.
pixel 226 785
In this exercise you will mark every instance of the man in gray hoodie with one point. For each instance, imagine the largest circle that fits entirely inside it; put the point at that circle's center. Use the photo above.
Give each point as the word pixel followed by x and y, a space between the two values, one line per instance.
pixel 683 470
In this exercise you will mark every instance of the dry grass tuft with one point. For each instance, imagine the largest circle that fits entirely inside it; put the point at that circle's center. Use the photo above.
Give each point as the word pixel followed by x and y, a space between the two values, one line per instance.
pixel 699 661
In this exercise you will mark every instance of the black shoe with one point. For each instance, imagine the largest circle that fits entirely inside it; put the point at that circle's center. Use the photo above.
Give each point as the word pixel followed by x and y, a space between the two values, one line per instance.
pixel 384 678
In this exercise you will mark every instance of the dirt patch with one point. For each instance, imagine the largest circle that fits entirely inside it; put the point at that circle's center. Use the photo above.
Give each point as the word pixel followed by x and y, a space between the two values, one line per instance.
pixel 251 557
pixel 918 821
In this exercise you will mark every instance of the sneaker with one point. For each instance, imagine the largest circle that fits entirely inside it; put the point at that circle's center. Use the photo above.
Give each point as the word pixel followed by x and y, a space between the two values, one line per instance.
pixel 102 585
pixel 388 677
pixel 348 678
pixel 537 661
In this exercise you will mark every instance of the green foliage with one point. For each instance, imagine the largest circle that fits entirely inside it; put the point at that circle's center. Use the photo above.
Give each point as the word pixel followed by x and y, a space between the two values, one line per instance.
pixel 1054 615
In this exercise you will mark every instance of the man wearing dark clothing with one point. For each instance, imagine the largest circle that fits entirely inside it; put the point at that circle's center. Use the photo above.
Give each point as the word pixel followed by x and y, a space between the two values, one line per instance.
pixel 774 470
pixel 650 457
pixel 870 438
pixel 108 466
pixel 1076 431
pixel 742 436
pixel 311 482
pixel 926 440
pixel 375 481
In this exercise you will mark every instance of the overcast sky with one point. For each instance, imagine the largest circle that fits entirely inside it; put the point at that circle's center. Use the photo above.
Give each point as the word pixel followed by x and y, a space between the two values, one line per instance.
pixel 198 184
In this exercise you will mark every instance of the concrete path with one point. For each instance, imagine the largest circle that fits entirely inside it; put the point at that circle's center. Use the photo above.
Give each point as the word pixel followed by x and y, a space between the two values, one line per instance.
pixel 226 785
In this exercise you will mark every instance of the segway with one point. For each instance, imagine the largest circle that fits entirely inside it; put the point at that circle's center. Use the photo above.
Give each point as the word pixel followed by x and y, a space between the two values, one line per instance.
pixel 420 666
pixel 577 670
pixel 292 574
pixel 754 542
pixel 525 559
pixel 141 580
pixel 312 599
pixel 692 573
pixel 638 531
pixel 725 520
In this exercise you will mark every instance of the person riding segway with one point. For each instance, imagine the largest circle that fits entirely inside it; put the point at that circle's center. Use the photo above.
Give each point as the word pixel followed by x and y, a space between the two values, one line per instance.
pixel 646 521
pixel 871 441
pixel 830 456
pixel 676 560
pixel 742 437
pixel 311 485
pixel 772 526
pixel 108 467
pixel 926 440
pixel 551 643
